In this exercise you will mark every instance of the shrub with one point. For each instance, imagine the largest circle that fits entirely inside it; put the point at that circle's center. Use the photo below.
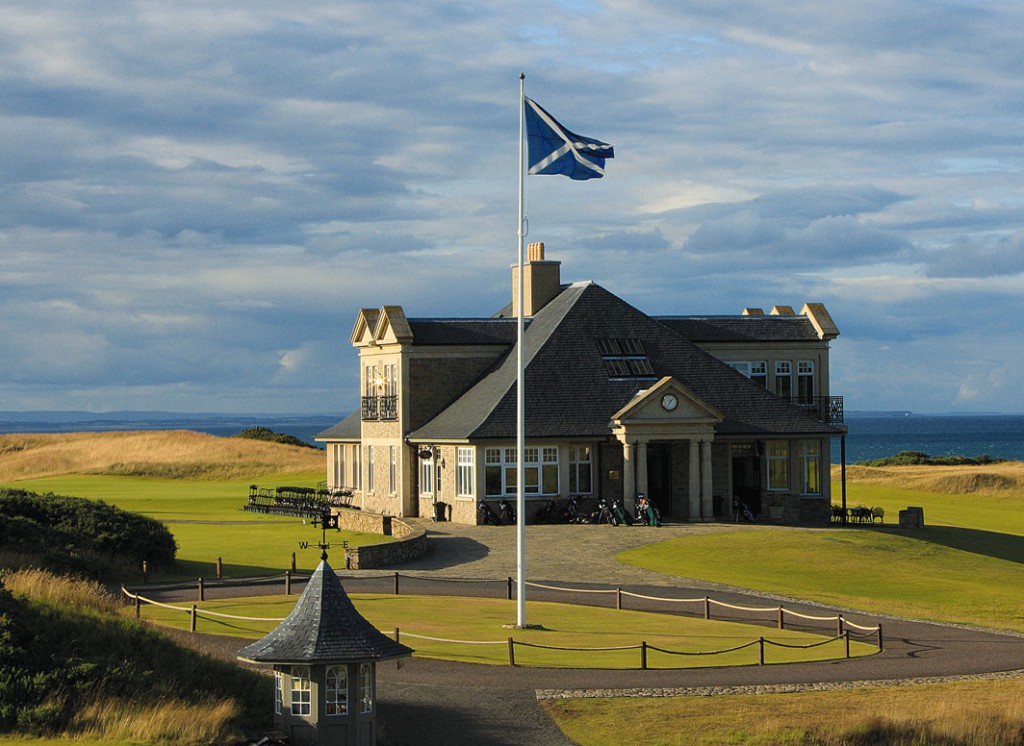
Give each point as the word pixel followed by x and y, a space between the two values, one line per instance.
pixel 265 433
pixel 918 458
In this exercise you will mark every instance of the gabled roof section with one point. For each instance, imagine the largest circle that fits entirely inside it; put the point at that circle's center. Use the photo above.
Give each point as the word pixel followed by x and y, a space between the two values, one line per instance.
pixel 647 404
pixel 749 328
pixel 493 331
pixel 392 326
pixel 365 328
pixel 349 428
pixel 569 392
pixel 324 627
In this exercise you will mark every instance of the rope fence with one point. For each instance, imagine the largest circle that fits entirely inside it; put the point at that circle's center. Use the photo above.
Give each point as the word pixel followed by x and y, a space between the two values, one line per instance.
pixel 844 629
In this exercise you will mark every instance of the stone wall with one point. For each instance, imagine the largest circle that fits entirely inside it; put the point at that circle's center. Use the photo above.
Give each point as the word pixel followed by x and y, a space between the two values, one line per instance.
pixel 410 541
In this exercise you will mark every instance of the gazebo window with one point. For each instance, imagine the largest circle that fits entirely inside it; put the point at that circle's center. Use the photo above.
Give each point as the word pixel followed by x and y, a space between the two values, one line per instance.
pixel 278 692
pixel 302 691
pixel 366 687
pixel 336 691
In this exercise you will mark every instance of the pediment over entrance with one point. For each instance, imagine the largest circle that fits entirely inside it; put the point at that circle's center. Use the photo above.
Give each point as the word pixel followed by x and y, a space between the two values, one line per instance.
pixel 666 402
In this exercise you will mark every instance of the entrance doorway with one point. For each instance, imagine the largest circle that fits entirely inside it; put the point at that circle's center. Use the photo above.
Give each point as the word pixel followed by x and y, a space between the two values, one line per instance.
pixel 746 477
pixel 659 476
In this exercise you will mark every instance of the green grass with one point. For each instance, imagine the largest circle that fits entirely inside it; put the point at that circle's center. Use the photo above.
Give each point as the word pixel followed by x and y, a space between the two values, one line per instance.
pixel 482 619
pixel 208 521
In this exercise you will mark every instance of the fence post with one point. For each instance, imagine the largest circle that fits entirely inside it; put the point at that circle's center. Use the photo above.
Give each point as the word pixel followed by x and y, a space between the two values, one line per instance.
pixel 138 606
pixel 760 649
pixel 511 652
pixel 839 625
pixel 618 599
pixel 396 635
pixel 192 625
pixel 508 589
pixel 287 583
pixel 880 648
pixel 220 568
pixel 846 642
pixel 782 621
pixel 643 654
pixel 293 561
pixel 202 590
pixel 707 607
pixel 396 583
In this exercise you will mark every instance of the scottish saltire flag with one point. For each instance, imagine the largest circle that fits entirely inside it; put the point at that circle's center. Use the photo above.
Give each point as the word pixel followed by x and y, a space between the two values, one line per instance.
pixel 555 150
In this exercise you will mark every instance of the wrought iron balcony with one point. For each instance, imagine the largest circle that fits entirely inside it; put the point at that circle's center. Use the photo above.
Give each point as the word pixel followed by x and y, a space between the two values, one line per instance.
pixel 828 409
pixel 380 408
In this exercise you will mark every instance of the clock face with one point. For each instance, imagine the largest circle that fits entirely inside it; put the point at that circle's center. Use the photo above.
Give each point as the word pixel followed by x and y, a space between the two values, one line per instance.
pixel 669 402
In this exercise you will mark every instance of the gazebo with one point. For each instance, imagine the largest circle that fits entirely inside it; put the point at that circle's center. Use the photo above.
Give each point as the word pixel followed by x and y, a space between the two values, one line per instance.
pixel 324 656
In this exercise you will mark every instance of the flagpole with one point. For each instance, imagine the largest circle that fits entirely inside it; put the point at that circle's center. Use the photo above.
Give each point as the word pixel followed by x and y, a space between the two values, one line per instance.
pixel 520 386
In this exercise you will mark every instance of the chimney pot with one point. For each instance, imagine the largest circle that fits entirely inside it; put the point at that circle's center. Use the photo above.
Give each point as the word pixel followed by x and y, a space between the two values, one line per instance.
pixel 535 252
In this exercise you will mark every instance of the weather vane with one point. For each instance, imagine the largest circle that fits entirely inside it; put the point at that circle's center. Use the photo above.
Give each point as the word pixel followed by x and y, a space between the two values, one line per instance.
pixel 325 521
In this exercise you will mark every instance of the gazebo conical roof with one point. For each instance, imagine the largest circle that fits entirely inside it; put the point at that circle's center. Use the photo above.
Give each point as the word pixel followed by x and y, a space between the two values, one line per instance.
pixel 324 627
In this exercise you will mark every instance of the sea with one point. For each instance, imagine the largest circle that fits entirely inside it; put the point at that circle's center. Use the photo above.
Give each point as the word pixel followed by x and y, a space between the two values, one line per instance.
pixel 871 435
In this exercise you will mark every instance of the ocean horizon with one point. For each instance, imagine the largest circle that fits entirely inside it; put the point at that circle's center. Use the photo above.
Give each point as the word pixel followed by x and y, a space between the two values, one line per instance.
pixel 871 435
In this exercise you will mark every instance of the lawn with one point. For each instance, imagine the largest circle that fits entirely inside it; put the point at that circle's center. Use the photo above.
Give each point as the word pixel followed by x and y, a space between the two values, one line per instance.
pixel 567 626
pixel 208 521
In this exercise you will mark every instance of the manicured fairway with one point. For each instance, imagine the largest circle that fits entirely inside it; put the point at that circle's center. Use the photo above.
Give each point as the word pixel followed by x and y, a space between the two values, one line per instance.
pixel 482 620
pixel 208 521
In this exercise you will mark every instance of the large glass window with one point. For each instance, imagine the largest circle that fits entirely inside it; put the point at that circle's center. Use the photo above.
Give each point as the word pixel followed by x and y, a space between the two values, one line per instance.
pixel 427 476
pixel 393 471
pixel 805 381
pixel 784 379
pixel 357 467
pixel 369 468
pixel 278 692
pixel 810 466
pixel 336 691
pixel 302 690
pixel 756 370
pixel 580 482
pixel 464 477
pixel 366 687
pixel 777 452
pixel 339 465
pixel 540 471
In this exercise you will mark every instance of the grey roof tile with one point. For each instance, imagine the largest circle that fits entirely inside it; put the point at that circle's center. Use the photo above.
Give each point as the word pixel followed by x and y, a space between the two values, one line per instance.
pixel 324 627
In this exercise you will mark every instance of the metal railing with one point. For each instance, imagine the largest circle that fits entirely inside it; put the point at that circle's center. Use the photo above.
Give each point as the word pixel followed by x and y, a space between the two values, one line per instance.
pixel 383 408
pixel 828 409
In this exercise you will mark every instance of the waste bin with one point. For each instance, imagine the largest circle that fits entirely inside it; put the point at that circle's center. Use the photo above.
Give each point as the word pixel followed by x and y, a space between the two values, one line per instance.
pixel 440 511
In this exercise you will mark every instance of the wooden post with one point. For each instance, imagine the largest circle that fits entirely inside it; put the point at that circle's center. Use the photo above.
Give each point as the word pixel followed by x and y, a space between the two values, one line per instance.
pixel 202 590
pixel 287 583
pixel 760 654
pixel 643 655
pixel 839 626
pixel 511 652
pixel 396 635
pixel 192 626
pixel 293 561
pixel 782 622
pixel 707 607
pixel 880 647
pixel 846 642
pixel 138 606
pixel 396 584
pixel 508 589
pixel 618 599
pixel 220 568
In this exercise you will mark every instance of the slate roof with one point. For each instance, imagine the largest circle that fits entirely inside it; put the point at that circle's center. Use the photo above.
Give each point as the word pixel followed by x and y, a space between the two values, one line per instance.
pixel 349 428
pixel 569 393
pixel 742 328
pixel 324 627
pixel 463 331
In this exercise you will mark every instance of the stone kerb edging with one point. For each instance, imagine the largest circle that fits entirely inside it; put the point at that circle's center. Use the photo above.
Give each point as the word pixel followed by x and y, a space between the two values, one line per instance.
pixel 410 540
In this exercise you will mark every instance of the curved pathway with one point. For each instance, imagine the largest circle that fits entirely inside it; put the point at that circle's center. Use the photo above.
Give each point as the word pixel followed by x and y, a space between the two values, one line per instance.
pixel 431 702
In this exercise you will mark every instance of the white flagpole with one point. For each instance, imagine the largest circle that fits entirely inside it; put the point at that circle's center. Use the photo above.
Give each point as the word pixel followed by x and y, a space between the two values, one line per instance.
pixel 520 386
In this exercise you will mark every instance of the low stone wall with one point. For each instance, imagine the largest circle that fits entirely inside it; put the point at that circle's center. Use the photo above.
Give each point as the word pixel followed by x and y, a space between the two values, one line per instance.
pixel 410 542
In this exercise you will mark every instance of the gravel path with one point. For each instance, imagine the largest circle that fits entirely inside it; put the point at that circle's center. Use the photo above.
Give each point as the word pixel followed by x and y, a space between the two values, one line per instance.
pixel 434 703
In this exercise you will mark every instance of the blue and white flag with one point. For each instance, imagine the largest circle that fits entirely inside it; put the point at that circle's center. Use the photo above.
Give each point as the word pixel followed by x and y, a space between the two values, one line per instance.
pixel 555 150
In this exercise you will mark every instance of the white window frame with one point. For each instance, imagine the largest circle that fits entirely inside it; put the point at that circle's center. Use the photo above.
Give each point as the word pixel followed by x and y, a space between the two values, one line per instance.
pixel 805 373
pixel 777 464
pixel 336 690
pixel 427 476
pixel 393 471
pixel 301 691
pixel 357 466
pixel 278 692
pixel 784 372
pixel 541 467
pixel 810 467
pixel 581 460
pixel 465 476
pixel 369 469
pixel 365 688
pixel 338 455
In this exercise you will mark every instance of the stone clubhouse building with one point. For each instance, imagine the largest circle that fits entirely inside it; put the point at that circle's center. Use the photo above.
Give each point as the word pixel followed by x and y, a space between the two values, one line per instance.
pixel 694 412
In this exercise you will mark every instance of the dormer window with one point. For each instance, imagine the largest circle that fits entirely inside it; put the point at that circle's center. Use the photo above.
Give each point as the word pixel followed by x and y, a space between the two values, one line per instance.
pixel 624 358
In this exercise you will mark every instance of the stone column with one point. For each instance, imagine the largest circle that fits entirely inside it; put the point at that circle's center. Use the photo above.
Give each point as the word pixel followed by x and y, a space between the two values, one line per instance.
pixel 694 481
pixel 628 475
pixel 707 503
pixel 641 467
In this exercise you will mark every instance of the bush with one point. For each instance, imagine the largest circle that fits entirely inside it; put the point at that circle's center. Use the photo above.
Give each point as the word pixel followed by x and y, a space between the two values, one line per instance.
pixel 917 458
pixel 80 535
pixel 265 433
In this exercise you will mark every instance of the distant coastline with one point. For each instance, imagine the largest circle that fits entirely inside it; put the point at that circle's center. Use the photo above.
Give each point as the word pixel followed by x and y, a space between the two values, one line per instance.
pixel 872 434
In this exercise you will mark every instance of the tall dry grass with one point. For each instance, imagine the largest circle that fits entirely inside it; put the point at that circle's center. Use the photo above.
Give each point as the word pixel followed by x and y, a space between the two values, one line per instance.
pixel 990 479
pixel 119 720
pixel 62 590
pixel 167 454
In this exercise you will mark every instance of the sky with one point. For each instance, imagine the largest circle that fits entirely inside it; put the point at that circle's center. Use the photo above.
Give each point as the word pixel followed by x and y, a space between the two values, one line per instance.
pixel 196 198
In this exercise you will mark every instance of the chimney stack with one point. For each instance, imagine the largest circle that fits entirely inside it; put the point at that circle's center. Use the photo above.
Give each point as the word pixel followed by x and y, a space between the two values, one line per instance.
pixel 541 281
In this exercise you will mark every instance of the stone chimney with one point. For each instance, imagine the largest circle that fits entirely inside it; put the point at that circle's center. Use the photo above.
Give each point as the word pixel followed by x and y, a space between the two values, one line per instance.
pixel 541 281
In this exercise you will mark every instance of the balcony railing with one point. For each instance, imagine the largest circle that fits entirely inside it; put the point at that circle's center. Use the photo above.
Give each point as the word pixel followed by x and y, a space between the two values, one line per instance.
pixel 381 408
pixel 828 409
